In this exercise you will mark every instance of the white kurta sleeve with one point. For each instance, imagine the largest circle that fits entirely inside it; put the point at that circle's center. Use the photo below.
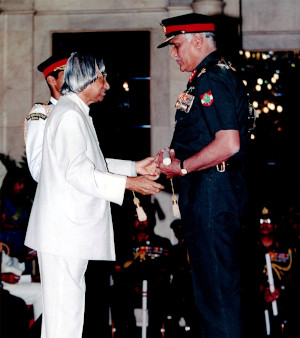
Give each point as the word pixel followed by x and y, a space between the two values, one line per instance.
pixel 121 167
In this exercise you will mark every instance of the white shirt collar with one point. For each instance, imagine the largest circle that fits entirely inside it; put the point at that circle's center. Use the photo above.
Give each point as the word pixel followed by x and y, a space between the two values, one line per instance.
pixel 75 98
pixel 53 100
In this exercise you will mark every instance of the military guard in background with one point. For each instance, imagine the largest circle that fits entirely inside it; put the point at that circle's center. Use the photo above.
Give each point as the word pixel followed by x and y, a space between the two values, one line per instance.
pixel 53 70
pixel 145 257
pixel 269 238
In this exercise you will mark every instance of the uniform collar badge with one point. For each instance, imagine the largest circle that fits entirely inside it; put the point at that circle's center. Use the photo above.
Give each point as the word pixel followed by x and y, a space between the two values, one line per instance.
pixel 192 75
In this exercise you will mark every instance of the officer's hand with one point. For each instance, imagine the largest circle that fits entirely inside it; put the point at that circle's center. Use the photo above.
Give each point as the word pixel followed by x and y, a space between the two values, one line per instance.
pixel 171 170
pixel 148 167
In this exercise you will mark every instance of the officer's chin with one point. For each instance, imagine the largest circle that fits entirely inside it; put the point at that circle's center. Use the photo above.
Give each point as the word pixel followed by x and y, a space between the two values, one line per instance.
pixel 183 68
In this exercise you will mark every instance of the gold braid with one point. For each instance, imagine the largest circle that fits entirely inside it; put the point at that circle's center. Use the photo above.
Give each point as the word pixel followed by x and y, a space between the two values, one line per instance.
pixel 279 269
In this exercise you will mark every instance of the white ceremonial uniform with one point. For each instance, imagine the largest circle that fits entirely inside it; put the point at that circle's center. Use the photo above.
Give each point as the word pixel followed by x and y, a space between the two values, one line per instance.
pixel 35 123
pixel 70 221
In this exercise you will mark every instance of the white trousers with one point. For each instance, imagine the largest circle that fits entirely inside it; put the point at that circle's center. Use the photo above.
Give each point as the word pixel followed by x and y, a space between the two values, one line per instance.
pixel 63 287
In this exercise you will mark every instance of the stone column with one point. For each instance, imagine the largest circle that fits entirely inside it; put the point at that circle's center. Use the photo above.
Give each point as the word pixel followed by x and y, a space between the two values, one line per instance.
pixel 208 7
pixel 15 79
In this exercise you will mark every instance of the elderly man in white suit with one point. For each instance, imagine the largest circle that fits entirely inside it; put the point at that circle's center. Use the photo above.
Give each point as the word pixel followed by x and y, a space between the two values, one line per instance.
pixel 70 221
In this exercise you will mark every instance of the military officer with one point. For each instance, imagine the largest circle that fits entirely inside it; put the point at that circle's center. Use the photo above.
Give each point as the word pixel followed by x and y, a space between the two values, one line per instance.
pixel 207 149
pixel 53 71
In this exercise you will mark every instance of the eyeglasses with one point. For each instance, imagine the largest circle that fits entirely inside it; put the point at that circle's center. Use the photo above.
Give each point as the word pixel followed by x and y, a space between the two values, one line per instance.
pixel 104 75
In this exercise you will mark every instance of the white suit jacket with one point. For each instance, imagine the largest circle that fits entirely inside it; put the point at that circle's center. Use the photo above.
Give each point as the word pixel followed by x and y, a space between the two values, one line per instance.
pixel 71 213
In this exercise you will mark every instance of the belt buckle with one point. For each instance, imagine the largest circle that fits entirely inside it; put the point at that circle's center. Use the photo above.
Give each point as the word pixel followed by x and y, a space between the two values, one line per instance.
pixel 221 167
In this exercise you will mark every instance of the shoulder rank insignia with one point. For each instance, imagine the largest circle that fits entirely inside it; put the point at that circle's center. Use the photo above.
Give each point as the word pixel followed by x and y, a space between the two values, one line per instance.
pixel 225 64
pixel 207 99
pixel 36 116
pixel 203 70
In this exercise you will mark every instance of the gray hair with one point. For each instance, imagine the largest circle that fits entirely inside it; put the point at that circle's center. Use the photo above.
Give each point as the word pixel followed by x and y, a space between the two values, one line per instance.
pixel 80 71
pixel 206 35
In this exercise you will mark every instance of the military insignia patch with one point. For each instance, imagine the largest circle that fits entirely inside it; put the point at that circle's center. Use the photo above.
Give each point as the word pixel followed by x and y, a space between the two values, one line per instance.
pixel 36 116
pixel 207 99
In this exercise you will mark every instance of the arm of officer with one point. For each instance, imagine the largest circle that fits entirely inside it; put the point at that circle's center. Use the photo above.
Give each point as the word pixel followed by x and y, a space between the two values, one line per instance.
pixel 225 145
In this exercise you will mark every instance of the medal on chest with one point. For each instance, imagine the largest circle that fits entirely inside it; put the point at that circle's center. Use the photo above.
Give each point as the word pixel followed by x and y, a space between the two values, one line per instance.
pixel 185 100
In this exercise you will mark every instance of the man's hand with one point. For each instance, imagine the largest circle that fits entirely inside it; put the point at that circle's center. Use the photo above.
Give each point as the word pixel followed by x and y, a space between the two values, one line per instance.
pixel 147 167
pixel 271 296
pixel 10 278
pixel 30 255
pixel 143 185
pixel 171 170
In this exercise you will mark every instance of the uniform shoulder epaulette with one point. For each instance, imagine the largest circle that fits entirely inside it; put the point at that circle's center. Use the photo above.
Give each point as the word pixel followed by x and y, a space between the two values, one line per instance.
pixel 42 113
pixel 222 63
pixel 225 64
pixel 46 103
pixel 36 116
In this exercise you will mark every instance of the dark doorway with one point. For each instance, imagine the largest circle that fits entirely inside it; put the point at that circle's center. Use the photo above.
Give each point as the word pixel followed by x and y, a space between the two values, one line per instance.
pixel 122 120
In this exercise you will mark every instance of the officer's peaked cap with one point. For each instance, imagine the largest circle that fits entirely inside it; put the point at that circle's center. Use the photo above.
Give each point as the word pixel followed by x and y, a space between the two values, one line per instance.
pixel 53 63
pixel 188 23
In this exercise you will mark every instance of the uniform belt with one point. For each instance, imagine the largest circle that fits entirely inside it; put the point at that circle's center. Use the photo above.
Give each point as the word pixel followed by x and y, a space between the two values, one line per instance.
pixel 230 165
pixel 234 164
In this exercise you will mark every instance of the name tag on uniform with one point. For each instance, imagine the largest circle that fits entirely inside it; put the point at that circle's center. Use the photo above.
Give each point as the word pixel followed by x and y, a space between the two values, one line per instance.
pixel 185 100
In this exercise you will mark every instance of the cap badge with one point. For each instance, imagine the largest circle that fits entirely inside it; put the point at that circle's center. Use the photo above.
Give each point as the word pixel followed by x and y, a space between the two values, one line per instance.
pixel 60 68
pixel 164 29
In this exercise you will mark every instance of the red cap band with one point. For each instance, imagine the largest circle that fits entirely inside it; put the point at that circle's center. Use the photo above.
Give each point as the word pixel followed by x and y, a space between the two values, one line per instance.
pixel 196 27
pixel 54 66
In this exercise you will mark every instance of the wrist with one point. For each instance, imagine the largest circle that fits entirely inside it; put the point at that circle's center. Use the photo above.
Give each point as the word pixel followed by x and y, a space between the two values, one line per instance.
pixel 128 185
pixel 182 168
pixel 134 169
